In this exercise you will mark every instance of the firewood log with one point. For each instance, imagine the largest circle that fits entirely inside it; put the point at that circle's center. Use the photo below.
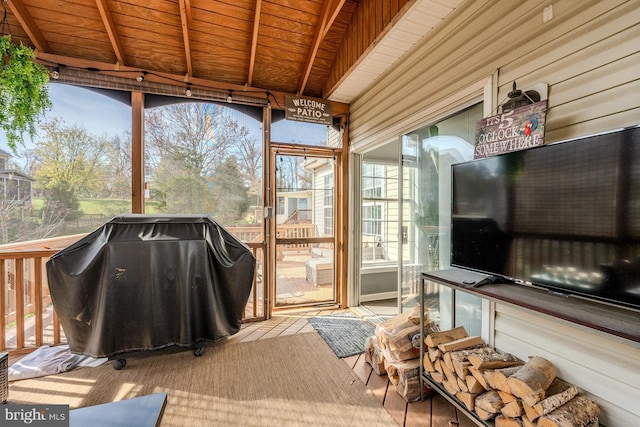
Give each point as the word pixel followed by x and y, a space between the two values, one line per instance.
pixel 493 360
pixel 434 353
pixel 484 415
pixel 462 384
pixel 498 378
pixel 428 364
pixel 558 393
pixel 504 421
pixel 506 397
pixel 473 385
pixel 526 422
pixel 480 375
pixel 581 411
pixel 469 399
pixel 437 376
pixel 461 344
pixel 451 377
pixel 489 401
pixel 531 381
pixel 530 412
pixel 438 365
pixel 512 409
pixel 451 386
pixel 460 359
pixel 436 338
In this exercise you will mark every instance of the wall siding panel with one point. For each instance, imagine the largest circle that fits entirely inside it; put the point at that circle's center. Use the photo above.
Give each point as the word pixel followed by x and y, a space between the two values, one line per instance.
pixel 589 56
pixel 465 49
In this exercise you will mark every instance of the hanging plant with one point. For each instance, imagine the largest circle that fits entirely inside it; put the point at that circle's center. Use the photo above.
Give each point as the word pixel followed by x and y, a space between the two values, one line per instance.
pixel 24 91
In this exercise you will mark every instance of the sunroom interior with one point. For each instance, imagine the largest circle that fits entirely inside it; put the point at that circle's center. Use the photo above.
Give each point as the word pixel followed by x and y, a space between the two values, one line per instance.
pixel 188 103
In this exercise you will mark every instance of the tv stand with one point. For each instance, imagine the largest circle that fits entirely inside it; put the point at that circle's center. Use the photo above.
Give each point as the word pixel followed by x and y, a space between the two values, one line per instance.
pixel 610 321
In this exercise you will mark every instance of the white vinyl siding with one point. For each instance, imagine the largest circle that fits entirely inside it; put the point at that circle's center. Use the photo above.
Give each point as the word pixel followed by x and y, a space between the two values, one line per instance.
pixel 588 55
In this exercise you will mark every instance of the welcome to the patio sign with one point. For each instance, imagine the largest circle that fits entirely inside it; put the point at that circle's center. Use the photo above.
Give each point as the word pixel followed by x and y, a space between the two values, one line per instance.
pixel 310 110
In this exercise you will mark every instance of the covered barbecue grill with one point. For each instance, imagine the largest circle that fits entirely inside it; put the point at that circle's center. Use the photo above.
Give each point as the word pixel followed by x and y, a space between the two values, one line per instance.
pixel 146 282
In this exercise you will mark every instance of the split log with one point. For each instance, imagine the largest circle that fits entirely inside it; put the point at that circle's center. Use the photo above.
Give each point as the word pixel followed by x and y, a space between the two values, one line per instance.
pixel 473 385
pixel 493 360
pixel 438 365
pixel 434 353
pixel 451 386
pixel 531 381
pixel 484 415
pixel 530 412
pixel 512 409
pixel 469 399
pixel 506 397
pixel 558 393
pixel 480 376
pixel 462 384
pixel 461 344
pixel 504 421
pixel 373 355
pixel 581 411
pixel 436 338
pixel 428 364
pixel 489 401
pixel 526 422
pixel 437 377
pixel 498 378
pixel 460 359
pixel 451 378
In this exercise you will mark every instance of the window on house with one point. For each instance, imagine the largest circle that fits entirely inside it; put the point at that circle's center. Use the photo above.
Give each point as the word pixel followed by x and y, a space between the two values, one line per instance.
pixel 379 213
pixel 280 205
pixel 328 204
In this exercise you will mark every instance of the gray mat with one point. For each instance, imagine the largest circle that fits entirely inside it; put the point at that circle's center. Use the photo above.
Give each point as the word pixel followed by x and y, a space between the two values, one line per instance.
pixel 345 333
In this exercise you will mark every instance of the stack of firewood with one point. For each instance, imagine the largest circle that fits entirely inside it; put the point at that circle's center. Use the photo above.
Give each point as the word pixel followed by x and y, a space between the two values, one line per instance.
pixel 395 351
pixel 498 386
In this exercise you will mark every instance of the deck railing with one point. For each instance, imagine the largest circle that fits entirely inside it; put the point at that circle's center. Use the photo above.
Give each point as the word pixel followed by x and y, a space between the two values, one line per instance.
pixel 27 317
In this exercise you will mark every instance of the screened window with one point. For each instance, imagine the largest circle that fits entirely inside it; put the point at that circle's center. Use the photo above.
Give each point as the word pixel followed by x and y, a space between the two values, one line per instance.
pixel 379 213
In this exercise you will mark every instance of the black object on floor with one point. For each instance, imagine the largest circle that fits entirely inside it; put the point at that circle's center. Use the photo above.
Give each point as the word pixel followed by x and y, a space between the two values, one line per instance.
pixel 146 282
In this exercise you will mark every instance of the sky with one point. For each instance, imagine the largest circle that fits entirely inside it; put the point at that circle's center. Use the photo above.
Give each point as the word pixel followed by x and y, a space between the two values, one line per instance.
pixel 99 114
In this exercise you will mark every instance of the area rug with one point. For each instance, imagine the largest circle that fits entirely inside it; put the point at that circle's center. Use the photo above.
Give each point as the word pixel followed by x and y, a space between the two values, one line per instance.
pixel 292 380
pixel 345 333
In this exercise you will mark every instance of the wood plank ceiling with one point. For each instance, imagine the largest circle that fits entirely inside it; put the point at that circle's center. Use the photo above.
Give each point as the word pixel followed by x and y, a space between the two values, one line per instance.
pixel 304 47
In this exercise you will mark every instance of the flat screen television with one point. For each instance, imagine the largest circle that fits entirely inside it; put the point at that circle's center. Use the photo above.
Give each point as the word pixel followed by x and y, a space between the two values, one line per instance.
pixel 563 216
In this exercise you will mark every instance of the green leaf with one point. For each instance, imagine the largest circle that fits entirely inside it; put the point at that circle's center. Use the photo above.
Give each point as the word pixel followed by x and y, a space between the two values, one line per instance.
pixel 24 91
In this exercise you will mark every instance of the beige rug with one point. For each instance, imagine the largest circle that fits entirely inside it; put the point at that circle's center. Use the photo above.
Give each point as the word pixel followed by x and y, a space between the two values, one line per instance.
pixel 293 380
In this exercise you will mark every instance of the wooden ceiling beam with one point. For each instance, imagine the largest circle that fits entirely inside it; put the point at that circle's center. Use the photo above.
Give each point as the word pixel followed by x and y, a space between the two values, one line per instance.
pixel 277 98
pixel 185 19
pixel 112 32
pixel 254 41
pixel 28 25
pixel 331 9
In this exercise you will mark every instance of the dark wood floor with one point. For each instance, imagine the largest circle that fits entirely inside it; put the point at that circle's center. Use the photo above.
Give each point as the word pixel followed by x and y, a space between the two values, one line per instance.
pixel 433 411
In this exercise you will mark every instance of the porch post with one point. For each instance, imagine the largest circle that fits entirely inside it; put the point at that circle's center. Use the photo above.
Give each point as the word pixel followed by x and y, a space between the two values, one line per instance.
pixel 137 152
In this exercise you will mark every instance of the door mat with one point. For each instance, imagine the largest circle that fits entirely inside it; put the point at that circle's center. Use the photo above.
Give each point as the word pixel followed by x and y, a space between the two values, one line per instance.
pixel 345 333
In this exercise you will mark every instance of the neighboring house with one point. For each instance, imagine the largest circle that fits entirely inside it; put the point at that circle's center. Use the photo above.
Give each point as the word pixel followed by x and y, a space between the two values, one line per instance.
pixel 15 186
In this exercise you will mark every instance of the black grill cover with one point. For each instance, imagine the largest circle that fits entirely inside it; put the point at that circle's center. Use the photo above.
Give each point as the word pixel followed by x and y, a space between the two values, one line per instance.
pixel 145 282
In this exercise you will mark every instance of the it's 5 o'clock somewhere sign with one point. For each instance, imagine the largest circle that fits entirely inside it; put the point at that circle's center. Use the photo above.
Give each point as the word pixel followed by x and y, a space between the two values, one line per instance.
pixel 310 110
pixel 513 130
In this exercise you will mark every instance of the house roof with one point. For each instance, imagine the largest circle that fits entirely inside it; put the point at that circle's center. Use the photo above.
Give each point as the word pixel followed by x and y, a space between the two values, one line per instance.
pixel 319 48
